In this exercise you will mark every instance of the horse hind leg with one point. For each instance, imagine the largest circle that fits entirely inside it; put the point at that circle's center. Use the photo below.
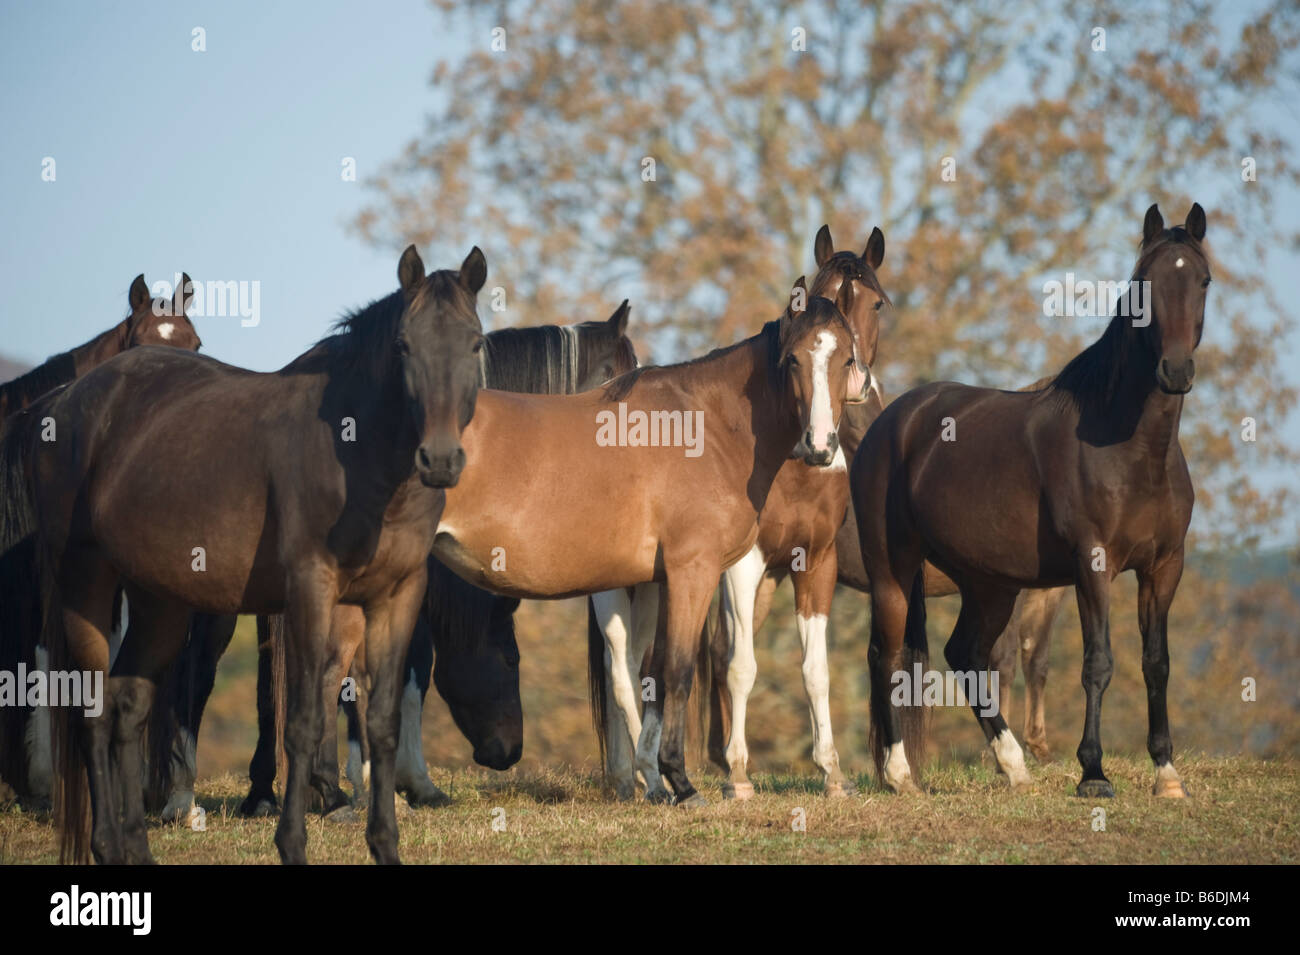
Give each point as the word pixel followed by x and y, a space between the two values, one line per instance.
pixel 985 612
pixel 157 631
pixel 261 800
pixel 1035 643
pixel 813 591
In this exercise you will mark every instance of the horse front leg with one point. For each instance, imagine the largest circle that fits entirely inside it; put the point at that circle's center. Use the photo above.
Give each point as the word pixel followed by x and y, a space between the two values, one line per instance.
pixel 389 623
pixel 307 616
pixel 347 629
pixel 738 592
pixel 813 590
pixel 1155 595
pixel 612 612
pixel 1092 590
pixel 689 590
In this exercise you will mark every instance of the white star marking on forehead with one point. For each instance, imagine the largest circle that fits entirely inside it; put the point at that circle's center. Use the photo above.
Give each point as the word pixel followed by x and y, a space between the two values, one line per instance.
pixel 1178 264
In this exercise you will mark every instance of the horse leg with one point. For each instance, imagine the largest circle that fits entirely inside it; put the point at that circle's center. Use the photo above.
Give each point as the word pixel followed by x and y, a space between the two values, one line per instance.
pixel 261 769
pixel 985 611
pixel 689 589
pixel 307 620
pixel 1038 618
pixel 884 658
pixel 413 780
pixel 1156 590
pixel 613 611
pixel 648 619
pixel 1092 591
pixel 87 585
pixel 388 634
pixel 1005 652
pixel 156 634
pixel 738 591
pixel 347 629
pixel 813 590
pixel 210 635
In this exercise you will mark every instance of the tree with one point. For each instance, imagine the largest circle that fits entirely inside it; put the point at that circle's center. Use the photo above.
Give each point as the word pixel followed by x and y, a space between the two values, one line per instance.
pixel 763 121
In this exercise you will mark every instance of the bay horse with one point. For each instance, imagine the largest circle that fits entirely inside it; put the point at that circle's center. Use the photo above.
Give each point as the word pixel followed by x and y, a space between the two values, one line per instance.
pixel 661 476
pixel 149 321
pixel 1075 483
pixel 341 460
pixel 542 359
pixel 797 532
pixel 25 758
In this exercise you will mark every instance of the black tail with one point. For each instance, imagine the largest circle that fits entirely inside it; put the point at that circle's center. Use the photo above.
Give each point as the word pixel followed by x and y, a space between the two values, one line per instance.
pixel 20 589
pixel 596 684
pixel 913 719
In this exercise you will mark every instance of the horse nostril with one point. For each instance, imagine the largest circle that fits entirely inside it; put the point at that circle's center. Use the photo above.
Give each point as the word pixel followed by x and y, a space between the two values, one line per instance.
pixel 833 442
pixel 422 459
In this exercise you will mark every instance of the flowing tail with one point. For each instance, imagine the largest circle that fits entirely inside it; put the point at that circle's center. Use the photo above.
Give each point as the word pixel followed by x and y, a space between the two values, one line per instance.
pixel 913 720
pixel 596 684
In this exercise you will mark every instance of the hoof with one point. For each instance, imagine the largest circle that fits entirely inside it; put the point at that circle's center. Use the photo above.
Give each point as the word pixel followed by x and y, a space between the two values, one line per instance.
pixel 425 797
pixel 1095 789
pixel 841 789
pixel 259 808
pixel 904 787
pixel 1019 783
pixel 343 815
pixel 624 792
pixel 1039 751
pixel 659 797
pixel 179 807
pixel 741 790
pixel 1170 789
pixel 693 801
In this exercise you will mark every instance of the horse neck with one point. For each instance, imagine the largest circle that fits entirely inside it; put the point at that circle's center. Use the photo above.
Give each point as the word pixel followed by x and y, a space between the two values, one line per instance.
pixel 760 413
pixel 1138 415
pixel 854 423
pixel 102 347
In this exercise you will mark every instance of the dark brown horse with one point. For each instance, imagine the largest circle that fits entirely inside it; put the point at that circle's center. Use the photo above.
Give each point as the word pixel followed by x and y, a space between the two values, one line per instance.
pixel 25 760
pixel 660 477
pixel 229 491
pixel 1075 483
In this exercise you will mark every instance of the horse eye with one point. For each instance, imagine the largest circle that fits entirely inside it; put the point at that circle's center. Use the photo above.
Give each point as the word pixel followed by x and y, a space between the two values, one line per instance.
pixel 794 362
pixel 401 347
pixel 478 346
pixel 880 304
pixel 1206 283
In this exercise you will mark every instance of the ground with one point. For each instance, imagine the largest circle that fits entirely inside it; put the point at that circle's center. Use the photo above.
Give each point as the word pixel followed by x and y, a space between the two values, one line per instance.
pixel 1241 810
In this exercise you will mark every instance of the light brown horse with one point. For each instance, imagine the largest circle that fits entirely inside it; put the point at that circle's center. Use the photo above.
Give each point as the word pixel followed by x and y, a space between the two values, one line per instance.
pixel 660 477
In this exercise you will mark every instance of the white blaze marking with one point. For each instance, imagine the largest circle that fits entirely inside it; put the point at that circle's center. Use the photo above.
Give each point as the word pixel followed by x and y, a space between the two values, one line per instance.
pixel 820 421
pixel 166 328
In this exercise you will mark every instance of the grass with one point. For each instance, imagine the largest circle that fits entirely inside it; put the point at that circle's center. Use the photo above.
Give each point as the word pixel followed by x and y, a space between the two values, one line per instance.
pixel 1241 810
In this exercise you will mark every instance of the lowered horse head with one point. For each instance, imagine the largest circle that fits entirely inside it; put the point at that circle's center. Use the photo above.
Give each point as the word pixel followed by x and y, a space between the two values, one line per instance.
pixel 834 270
pixel 437 343
pixel 158 321
pixel 816 361
pixel 1175 267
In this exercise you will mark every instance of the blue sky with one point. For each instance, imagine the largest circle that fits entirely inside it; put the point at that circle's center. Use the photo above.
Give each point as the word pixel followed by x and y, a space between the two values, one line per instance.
pixel 227 163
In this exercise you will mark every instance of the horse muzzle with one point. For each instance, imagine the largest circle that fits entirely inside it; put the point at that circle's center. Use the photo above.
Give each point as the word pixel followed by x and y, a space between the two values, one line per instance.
pixel 1175 377
pixel 439 470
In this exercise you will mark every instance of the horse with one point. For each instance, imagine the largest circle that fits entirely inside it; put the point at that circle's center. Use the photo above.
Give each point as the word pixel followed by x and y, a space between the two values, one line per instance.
pixel 546 359
pixel 25 758
pixel 150 321
pixel 1075 483
pixel 797 529
pixel 571 495
pixel 343 457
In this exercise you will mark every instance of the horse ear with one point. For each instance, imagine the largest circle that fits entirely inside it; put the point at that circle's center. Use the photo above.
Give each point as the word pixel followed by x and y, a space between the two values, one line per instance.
pixel 1153 225
pixel 410 270
pixel 618 321
pixel 1195 224
pixel 183 296
pixel 138 295
pixel 823 247
pixel 875 251
pixel 473 271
